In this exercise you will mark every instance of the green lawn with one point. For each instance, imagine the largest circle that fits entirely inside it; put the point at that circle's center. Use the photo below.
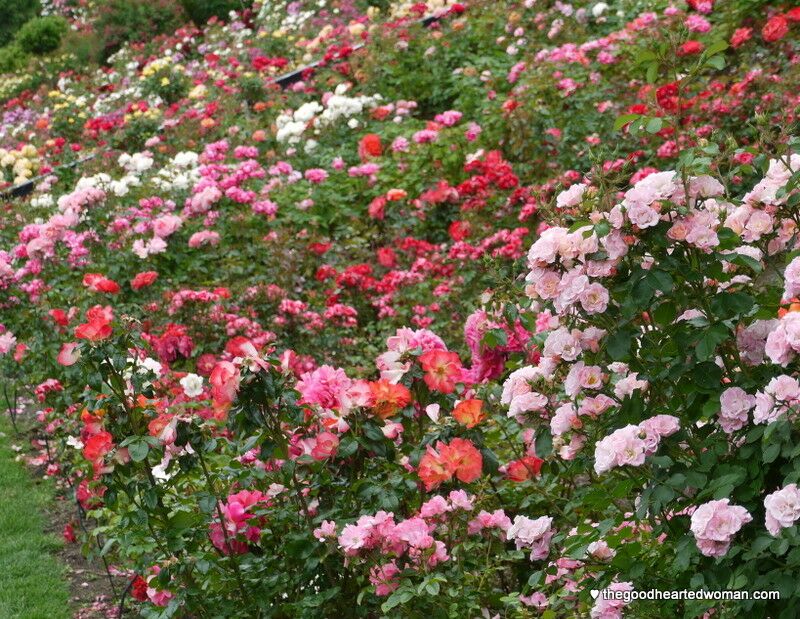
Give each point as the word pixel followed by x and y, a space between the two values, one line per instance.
pixel 31 582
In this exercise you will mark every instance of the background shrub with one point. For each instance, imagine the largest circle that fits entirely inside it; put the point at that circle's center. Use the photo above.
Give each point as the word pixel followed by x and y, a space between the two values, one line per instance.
pixel 42 35
pixel 200 11
pixel 121 21
pixel 12 58
pixel 15 13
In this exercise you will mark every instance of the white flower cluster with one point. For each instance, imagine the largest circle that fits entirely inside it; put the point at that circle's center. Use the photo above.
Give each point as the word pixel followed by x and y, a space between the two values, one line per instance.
pixel 292 126
pixel 181 172
pixel 135 165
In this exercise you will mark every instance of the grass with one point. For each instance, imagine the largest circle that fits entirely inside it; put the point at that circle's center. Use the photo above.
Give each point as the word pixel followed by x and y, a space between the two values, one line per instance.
pixel 32 585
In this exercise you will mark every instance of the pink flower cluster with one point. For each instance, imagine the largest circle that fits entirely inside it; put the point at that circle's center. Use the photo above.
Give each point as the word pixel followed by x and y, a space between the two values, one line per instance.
pixel 780 397
pixel 408 543
pixel 239 519
pixel 714 525
pixel 631 444
pixel 783 342
pixel 610 608
pixel 571 285
pixel 532 534
pixel 791 278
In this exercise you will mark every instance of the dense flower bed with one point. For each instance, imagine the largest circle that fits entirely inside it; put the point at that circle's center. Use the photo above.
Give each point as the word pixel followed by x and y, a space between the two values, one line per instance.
pixel 479 320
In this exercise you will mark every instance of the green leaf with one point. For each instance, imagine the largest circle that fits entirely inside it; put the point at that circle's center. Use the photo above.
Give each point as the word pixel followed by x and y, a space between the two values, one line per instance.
pixel 729 304
pixel 494 338
pixel 652 73
pixel 770 453
pixel 716 47
pixel 138 450
pixel 654 125
pixel 623 120
pixel 183 520
pixel 602 228
pixel 401 596
pixel 712 338
pixel 618 345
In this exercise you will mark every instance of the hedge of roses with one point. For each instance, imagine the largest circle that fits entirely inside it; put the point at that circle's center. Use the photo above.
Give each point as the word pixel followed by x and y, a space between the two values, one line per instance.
pixel 483 319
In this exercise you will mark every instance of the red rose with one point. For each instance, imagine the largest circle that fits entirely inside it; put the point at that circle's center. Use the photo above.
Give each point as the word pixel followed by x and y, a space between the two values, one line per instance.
pixel 667 96
pixel 98 325
pixel 386 257
pixel 741 36
pixel 100 283
pixel 370 146
pixel 144 279
pixel 690 48
pixel 775 29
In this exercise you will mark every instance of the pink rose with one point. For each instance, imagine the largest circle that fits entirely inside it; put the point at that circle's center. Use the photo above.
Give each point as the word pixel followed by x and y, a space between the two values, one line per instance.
pixel 782 509
pixel 715 523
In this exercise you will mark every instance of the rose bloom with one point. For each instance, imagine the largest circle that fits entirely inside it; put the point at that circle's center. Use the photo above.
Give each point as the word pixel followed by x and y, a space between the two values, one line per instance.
pixel 594 299
pixel 67 355
pixel 735 404
pixel 775 29
pixel 715 523
pixel 459 458
pixel 469 413
pixel 97 446
pixel 442 368
pixel 100 283
pixel 782 509
pixel 388 398
pixel 224 382
pixel 524 469
pixel 741 36
pixel 98 325
pixel 326 446
pixel 144 279
pixel 370 146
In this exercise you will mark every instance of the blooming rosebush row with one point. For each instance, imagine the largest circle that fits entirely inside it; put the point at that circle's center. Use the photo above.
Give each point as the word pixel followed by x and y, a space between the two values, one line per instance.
pixel 472 342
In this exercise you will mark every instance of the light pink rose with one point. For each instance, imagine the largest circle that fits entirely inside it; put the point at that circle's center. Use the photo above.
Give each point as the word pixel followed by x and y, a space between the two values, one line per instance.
pixel 715 523
pixel 782 509
pixel 735 404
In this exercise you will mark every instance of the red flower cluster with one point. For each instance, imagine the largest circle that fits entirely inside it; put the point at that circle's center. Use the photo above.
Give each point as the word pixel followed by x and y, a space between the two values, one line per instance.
pixel 98 324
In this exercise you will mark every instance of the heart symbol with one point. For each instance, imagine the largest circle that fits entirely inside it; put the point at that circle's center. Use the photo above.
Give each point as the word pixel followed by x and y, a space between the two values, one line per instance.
pixel 594 593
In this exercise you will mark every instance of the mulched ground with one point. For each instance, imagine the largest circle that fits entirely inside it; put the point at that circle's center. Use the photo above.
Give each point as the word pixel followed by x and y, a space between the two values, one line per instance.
pixel 93 592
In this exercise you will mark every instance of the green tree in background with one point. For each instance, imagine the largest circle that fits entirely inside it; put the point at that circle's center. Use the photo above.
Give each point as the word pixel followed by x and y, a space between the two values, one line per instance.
pixel 15 13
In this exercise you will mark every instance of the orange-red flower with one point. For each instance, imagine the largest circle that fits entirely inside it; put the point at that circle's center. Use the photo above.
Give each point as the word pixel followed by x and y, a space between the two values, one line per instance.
pixel 388 397
pixel 442 369
pixel 100 283
pixel 98 325
pixel 162 428
pixel 97 446
pixel 370 146
pixel 433 470
pixel 144 279
pixel 524 468
pixel 459 458
pixel 465 458
pixel 469 412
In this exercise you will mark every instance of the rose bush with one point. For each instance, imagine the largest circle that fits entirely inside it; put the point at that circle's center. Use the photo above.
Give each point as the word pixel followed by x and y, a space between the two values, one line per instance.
pixel 478 340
